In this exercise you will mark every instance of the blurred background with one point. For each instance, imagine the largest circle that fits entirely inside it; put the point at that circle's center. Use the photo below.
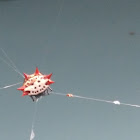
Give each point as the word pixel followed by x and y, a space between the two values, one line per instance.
pixel 92 47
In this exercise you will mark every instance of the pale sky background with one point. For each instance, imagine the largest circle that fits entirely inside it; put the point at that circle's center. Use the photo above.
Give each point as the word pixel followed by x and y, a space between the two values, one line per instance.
pixel 87 46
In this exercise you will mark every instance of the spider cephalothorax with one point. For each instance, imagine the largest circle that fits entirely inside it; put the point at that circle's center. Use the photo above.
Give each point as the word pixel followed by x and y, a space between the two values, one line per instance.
pixel 36 85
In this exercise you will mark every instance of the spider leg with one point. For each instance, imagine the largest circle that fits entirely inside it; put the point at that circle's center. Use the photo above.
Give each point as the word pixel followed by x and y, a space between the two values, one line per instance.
pixel 32 98
pixel 49 88
pixel 47 92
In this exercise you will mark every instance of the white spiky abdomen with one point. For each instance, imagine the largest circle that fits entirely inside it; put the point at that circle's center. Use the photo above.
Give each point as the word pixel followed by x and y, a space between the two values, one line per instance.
pixel 36 85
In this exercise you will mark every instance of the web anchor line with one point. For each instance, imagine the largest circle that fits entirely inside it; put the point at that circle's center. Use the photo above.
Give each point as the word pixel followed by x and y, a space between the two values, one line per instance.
pixel 12 85
pixel 116 102
pixel 10 63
